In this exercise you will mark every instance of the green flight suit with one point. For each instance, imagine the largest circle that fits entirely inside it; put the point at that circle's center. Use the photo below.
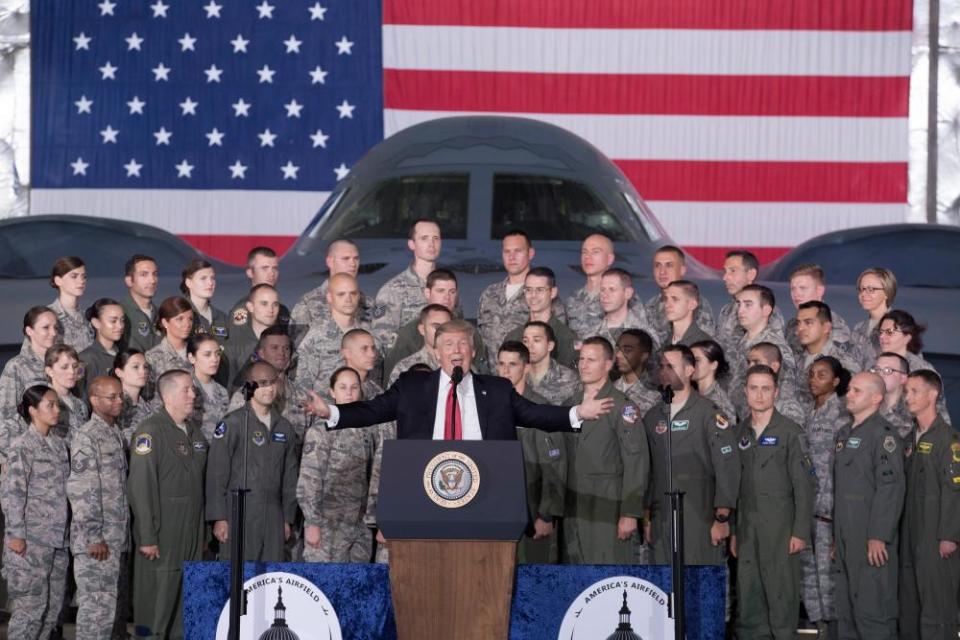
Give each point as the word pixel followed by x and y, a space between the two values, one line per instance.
pixel 775 504
pixel 165 490
pixel 564 350
pixel 706 466
pixel 608 467
pixel 928 583
pixel 545 465
pixel 869 486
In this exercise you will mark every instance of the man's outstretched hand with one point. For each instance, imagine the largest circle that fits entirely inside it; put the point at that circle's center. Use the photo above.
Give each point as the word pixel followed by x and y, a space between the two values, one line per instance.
pixel 316 405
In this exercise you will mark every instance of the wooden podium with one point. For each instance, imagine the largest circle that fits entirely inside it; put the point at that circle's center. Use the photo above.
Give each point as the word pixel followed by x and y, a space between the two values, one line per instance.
pixel 452 556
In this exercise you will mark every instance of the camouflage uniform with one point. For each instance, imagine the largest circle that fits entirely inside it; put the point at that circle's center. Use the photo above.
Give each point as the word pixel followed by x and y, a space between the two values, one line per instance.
pixel 557 384
pixel 334 490
pixel 584 312
pixel 775 505
pixel 638 393
pixel 737 357
pixel 636 319
pixel 418 357
pixel 133 414
pixel 564 350
pixel 898 417
pixel 703 318
pixel 319 352
pixel 706 466
pixel 165 492
pixel 73 415
pixel 210 406
pixel 928 582
pixel 842 351
pixel 139 330
pixel 869 488
pixel 918 363
pixel 866 340
pixel 690 337
pixel 370 388
pixel 398 302
pixel 721 401
pixel 820 430
pixel 34 501
pixel 409 340
pixel 76 331
pixel 839 334
pixel 497 315
pixel 385 431
pixel 608 468
pixel 313 306
pixel 545 463
pixel 270 456
pixel 19 374
pixel 729 332
pixel 98 500
pixel 240 316
pixel 163 358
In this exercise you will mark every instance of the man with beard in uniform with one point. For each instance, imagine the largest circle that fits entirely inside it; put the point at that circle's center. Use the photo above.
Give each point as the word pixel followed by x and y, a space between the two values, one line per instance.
pixel 545 461
pixel 706 466
pixel 139 331
pixel 774 510
pixel 670 265
pixel 263 267
pixel 930 529
pixel 165 491
pixel 255 445
pixel 869 487
pixel 608 469
pixel 263 310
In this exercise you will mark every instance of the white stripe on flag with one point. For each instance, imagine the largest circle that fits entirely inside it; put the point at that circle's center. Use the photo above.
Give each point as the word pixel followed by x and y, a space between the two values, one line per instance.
pixel 658 51
pixel 732 138
pixel 775 224
pixel 190 212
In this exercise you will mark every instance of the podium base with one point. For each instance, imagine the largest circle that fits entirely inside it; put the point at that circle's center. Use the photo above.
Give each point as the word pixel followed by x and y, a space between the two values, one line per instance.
pixel 452 588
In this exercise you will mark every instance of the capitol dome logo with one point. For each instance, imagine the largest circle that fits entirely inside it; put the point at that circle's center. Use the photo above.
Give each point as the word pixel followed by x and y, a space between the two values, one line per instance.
pixel 618 608
pixel 283 606
pixel 451 479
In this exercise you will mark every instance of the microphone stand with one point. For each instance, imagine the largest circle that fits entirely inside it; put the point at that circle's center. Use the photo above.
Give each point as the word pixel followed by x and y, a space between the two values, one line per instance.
pixel 676 609
pixel 238 505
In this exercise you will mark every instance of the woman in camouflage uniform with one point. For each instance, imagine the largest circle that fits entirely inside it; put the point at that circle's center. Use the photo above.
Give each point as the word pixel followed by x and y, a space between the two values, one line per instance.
pixel 175 322
pixel 62 368
pixel 899 333
pixel 711 373
pixel 69 278
pixel 40 328
pixel 828 381
pixel 130 367
pixel 876 291
pixel 34 500
pixel 107 319
pixel 203 352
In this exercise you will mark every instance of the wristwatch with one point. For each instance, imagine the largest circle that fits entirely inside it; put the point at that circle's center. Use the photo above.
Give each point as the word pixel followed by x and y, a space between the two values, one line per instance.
pixel 722 518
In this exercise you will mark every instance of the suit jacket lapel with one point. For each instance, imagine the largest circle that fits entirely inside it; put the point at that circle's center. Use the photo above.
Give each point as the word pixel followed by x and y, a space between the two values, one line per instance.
pixel 479 396
pixel 433 390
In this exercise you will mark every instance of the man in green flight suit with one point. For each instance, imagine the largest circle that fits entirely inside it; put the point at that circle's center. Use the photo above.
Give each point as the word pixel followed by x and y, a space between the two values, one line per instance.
pixel 165 490
pixel 868 487
pixel 774 511
pixel 930 528
pixel 545 463
pixel 607 471
pixel 706 466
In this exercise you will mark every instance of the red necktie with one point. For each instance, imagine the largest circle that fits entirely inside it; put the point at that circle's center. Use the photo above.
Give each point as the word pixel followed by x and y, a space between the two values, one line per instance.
pixel 452 425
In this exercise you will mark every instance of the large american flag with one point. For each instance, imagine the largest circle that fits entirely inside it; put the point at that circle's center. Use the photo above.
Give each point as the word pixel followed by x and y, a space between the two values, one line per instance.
pixel 754 123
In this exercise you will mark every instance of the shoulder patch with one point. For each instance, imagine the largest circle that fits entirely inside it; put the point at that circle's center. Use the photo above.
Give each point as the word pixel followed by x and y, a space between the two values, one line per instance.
pixel 308 448
pixel 379 311
pixel 661 427
pixel 955 451
pixel 889 444
pixel 721 421
pixel 143 328
pixel 629 413
pixel 80 464
pixel 220 431
pixel 240 316
pixel 143 444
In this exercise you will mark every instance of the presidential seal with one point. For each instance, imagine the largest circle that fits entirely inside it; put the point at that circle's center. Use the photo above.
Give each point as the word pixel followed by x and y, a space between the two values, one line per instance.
pixel 451 479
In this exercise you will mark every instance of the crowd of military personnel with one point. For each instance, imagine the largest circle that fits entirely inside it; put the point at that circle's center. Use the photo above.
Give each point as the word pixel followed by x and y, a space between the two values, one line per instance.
pixel 817 459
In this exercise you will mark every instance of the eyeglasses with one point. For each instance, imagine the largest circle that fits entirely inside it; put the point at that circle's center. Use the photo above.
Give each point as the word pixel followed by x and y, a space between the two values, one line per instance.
pixel 885 371
pixel 537 290
pixel 870 290
pixel 888 332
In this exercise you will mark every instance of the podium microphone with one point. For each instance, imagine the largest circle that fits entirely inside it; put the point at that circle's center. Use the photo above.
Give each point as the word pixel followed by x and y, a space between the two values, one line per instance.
pixel 457 375
pixel 666 393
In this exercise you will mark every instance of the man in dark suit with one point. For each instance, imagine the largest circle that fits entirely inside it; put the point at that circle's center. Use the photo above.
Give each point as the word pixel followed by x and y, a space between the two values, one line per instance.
pixel 430 406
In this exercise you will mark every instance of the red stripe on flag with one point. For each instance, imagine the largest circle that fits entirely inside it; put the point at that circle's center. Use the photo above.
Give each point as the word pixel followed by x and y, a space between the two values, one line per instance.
pixel 234 249
pixel 484 91
pixel 714 256
pixel 827 15
pixel 707 181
